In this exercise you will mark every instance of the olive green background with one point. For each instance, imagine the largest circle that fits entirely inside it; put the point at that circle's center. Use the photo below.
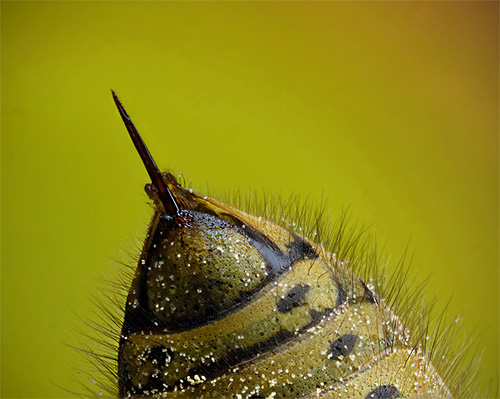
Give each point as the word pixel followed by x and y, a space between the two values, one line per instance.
pixel 389 108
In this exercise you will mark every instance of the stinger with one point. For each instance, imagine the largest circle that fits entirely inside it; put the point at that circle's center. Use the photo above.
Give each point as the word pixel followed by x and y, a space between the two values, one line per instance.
pixel 166 197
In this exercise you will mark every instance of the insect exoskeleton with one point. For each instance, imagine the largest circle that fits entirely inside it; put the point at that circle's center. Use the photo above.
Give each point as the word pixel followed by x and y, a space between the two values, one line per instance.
pixel 226 304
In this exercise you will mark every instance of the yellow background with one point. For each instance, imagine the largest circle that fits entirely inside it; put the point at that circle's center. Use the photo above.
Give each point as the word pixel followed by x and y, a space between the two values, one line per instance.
pixel 390 108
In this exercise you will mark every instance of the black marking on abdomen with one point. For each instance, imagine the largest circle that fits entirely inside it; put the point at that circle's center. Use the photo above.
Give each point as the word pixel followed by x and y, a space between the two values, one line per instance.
pixel 293 298
pixel 384 392
pixel 342 346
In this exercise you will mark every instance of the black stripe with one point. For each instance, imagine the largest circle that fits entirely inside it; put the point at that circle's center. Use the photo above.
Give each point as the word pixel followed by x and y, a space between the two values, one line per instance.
pixel 293 298
pixel 384 392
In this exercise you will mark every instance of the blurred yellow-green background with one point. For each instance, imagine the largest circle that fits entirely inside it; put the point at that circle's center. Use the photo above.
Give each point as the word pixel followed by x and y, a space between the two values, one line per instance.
pixel 390 108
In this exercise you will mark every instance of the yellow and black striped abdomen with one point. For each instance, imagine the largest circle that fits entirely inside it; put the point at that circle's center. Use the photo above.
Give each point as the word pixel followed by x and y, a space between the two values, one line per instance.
pixel 224 304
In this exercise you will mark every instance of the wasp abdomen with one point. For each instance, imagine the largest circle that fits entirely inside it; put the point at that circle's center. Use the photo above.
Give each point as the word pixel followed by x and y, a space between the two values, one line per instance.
pixel 283 311
pixel 225 304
